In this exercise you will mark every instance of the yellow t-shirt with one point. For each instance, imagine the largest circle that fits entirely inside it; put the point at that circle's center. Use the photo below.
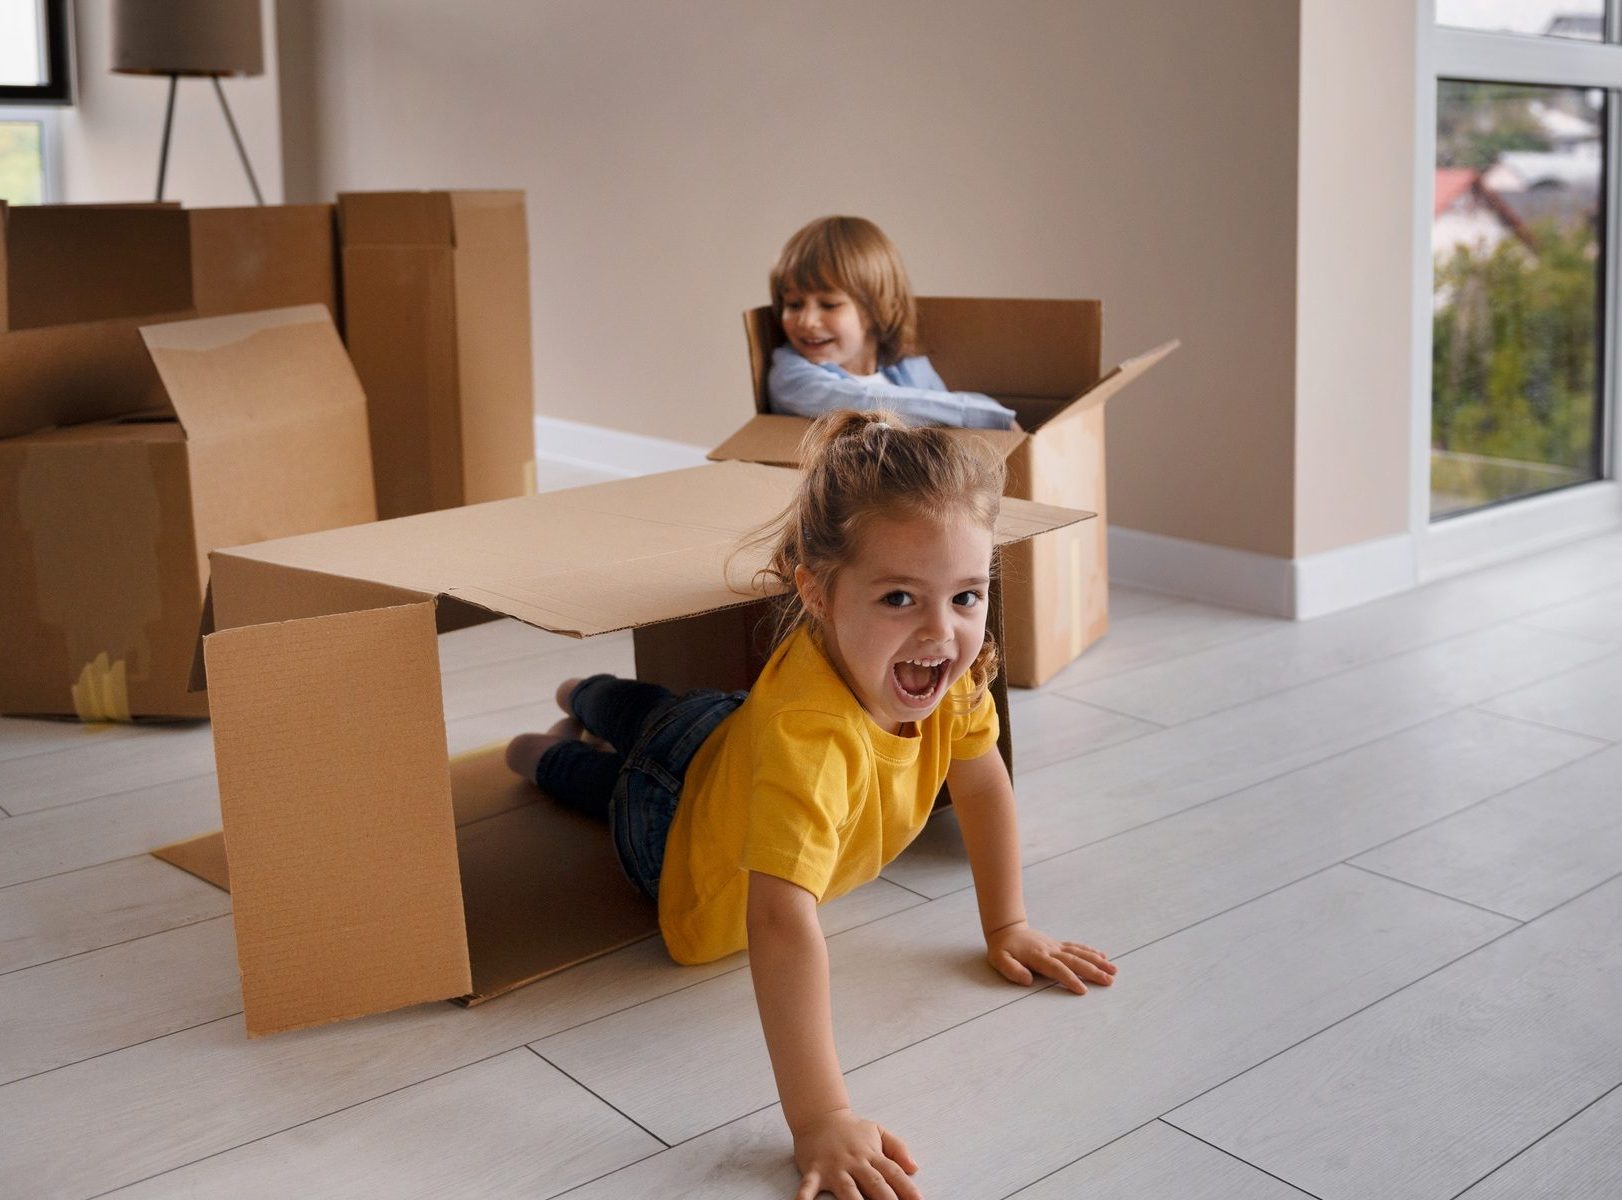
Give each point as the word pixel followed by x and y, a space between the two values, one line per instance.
pixel 802 784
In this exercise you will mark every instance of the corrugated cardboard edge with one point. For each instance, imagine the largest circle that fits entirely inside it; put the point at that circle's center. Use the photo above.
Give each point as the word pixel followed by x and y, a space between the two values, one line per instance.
pixel 329 739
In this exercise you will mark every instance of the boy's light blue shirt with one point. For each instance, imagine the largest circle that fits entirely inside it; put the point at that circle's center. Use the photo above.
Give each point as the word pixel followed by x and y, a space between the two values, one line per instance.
pixel 911 389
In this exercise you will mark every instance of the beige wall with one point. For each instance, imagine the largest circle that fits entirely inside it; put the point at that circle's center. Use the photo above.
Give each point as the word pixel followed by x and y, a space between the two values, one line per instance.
pixel 112 134
pixel 1144 153
pixel 1354 329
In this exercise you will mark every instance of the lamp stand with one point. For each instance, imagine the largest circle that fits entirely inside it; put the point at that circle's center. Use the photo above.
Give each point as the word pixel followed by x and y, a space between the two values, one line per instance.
pixel 168 126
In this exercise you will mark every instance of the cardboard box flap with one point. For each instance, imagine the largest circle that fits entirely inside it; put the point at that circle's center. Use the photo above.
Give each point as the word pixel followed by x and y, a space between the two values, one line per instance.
pixel 774 439
pixel 251 371
pixel 1120 377
pixel 587 560
pixel 73 374
pixel 276 421
pixel 394 218
pixel 765 335
pixel 335 792
pixel 489 219
pixel 464 218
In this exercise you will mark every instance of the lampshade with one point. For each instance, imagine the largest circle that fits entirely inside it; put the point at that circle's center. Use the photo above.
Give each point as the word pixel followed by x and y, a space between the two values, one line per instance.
pixel 187 37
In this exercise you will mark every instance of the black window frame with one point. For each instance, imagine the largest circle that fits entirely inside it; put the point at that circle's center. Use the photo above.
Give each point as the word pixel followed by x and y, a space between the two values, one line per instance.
pixel 57 88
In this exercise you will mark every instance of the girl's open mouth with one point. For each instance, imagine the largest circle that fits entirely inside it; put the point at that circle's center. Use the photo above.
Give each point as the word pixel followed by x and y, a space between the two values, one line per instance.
pixel 919 681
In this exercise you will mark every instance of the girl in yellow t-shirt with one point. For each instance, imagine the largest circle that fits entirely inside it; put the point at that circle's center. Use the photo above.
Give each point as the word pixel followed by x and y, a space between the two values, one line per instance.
pixel 741 812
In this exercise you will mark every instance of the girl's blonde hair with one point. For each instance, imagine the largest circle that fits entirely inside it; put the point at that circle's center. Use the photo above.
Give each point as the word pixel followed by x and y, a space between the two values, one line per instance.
pixel 852 255
pixel 861 465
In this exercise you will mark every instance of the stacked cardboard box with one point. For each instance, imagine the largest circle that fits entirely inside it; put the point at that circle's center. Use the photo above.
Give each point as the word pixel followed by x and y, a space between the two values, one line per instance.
pixel 98 597
pixel 127 452
pixel 1041 358
pixel 368 872
pixel 436 315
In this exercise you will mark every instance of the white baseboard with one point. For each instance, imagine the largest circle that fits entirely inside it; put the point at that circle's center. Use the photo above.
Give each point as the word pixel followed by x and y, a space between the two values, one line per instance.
pixel 1464 543
pixel 1297 589
pixel 1197 571
pixel 611 451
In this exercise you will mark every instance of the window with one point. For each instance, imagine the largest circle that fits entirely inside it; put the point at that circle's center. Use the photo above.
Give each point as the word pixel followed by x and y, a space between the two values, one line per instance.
pixel 33 52
pixel 33 77
pixel 1523 254
pixel 1583 20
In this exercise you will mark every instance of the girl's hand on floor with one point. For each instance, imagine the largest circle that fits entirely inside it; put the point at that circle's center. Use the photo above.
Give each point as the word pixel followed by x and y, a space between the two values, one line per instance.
pixel 854 1159
pixel 1020 953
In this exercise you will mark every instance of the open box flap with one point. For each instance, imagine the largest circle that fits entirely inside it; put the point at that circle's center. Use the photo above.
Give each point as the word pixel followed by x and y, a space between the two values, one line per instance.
pixel 774 439
pixel 335 793
pixel 459 218
pixel 253 371
pixel 1112 383
pixel 583 561
pixel 276 422
pixel 74 374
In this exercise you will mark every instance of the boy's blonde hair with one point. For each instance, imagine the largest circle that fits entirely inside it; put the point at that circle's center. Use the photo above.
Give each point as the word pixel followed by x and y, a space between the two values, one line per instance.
pixel 852 255
pixel 861 465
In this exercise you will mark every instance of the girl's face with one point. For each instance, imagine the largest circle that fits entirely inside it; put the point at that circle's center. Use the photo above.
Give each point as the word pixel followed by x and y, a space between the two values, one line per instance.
pixel 906 617
pixel 829 327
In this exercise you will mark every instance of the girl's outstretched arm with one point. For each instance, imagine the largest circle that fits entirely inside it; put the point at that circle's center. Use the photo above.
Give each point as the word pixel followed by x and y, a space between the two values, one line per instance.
pixel 836 1150
pixel 983 798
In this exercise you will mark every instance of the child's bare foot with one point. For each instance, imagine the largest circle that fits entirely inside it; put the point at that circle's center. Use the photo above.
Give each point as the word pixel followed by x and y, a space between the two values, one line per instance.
pixel 566 693
pixel 524 751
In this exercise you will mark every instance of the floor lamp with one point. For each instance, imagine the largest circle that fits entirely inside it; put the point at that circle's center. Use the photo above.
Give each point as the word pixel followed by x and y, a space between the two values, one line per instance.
pixel 190 37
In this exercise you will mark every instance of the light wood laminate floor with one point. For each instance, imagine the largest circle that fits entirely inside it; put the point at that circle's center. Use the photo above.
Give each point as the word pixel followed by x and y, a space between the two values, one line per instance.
pixel 1363 877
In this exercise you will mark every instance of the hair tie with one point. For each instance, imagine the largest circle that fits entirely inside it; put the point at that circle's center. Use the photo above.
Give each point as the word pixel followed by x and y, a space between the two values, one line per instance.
pixel 881 425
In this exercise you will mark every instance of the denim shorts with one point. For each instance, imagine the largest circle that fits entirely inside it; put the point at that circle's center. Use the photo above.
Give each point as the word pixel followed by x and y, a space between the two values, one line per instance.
pixel 649 784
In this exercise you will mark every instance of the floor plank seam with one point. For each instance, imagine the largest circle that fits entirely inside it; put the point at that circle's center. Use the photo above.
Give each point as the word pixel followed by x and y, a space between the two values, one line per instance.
pixel 1530 623
pixel 1536 724
pixel 1027 1186
pixel 1307 766
pixel 1498 795
pixel 743 966
pixel 1384 658
pixel 157 1037
pixel 1279 623
pixel 106 862
pixel 1154 726
pixel 1607 1092
pixel 1397 990
pixel 1236 1158
pixel 599 1098
pixel 1418 887
pixel 300 1124
pixel 110 945
pixel 1544 680
pixel 144 787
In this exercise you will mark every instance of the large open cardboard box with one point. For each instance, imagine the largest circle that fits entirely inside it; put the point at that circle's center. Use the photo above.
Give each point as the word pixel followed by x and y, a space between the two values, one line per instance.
pixel 127 452
pixel 1042 358
pixel 436 316
pixel 367 871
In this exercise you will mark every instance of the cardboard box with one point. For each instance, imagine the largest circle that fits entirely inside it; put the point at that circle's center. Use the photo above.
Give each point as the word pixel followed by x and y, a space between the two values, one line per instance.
pixel 251 259
pixel 436 316
pixel 66 263
pixel 367 871
pixel 1042 359
pixel 121 469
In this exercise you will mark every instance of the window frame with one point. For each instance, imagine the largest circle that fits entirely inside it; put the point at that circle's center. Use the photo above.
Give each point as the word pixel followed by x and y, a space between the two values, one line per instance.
pixel 50 147
pixel 58 86
pixel 1519 526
